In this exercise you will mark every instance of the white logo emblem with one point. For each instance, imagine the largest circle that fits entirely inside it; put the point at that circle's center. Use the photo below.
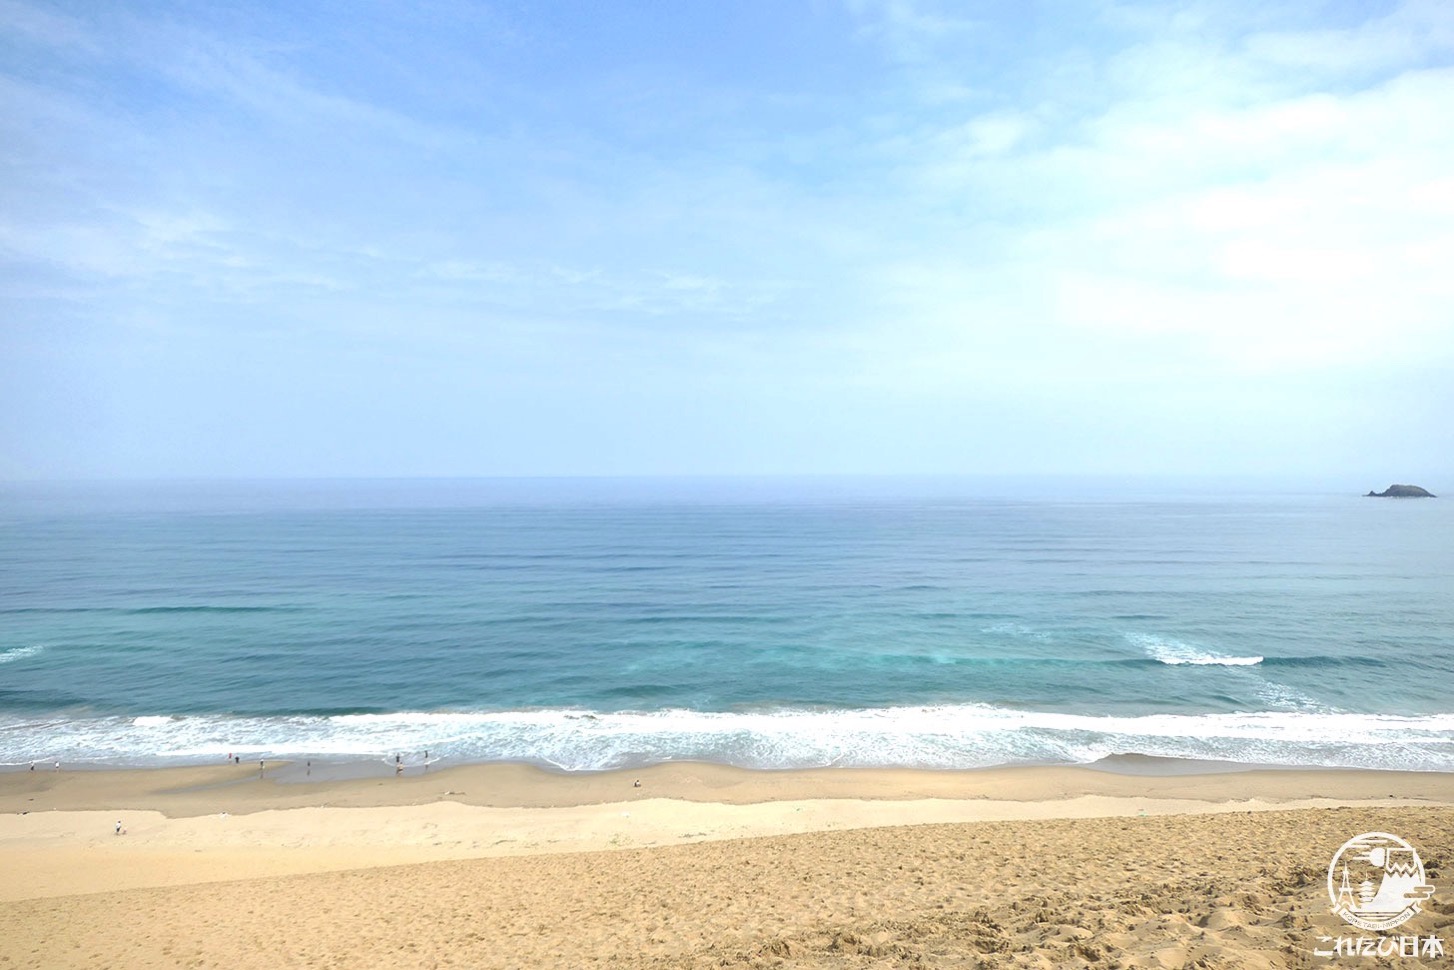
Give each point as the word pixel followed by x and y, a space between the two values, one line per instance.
pixel 1376 881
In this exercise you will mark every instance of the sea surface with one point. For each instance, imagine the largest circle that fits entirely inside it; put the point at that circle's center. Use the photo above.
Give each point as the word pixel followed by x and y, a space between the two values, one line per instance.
pixel 762 623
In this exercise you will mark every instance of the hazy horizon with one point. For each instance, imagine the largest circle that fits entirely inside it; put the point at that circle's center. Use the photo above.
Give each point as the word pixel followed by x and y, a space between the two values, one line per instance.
pixel 868 237
pixel 243 494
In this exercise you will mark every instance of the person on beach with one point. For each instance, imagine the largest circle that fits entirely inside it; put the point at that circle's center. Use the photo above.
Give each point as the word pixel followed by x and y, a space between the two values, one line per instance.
pixel 119 829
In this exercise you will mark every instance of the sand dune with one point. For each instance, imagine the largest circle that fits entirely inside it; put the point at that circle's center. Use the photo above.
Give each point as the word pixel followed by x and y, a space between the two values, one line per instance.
pixel 1192 882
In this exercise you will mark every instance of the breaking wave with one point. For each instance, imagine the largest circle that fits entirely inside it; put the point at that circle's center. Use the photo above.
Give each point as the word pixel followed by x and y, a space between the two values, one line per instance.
pixel 945 737
pixel 1176 653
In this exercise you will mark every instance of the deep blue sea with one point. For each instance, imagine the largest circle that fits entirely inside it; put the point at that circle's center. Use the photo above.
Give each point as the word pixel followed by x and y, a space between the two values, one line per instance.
pixel 594 624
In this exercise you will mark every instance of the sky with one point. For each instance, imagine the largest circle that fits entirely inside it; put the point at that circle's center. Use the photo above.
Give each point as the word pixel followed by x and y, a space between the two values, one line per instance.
pixel 453 238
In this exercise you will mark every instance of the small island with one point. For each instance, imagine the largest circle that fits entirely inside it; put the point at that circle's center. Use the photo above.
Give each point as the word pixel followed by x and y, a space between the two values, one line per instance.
pixel 1402 491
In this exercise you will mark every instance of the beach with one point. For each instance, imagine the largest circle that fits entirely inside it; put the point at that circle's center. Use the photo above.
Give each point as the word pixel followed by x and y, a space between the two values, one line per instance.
pixel 506 724
pixel 685 865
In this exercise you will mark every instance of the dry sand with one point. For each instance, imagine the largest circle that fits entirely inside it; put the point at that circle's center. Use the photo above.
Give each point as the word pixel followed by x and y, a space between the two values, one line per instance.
pixel 508 866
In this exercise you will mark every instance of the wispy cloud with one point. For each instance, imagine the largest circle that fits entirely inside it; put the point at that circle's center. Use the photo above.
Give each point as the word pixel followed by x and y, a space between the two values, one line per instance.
pixel 911 29
pixel 202 63
pixel 563 290
pixel 47 27
pixel 1278 231
pixel 917 220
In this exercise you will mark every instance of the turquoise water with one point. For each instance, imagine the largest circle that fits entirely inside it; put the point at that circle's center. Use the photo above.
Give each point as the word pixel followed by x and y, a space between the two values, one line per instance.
pixel 770 624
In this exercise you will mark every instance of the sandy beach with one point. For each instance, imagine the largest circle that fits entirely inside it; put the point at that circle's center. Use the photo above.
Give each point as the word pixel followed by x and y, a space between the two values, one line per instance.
pixel 701 865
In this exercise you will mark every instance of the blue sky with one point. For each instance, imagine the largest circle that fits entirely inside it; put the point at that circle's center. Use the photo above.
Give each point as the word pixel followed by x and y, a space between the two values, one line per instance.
pixel 457 238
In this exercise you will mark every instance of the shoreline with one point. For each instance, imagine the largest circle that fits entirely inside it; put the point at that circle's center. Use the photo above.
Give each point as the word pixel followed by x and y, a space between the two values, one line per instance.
pixel 945 736
pixel 182 791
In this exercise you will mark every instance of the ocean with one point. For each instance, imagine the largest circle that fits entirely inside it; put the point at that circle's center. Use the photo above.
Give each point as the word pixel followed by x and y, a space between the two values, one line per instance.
pixel 592 624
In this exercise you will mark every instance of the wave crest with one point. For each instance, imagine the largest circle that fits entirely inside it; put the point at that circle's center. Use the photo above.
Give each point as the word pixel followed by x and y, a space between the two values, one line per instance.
pixel 19 653
pixel 1176 653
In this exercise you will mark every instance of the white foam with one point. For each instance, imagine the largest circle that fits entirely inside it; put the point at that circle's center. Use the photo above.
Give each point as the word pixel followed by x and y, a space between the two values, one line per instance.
pixel 949 736
pixel 19 653
pixel 1286 698
pixel 1018 631
pixel 1211 661
pixel 1176 653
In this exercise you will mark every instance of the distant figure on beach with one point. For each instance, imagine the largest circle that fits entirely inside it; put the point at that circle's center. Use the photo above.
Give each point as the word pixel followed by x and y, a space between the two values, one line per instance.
pixel 636 783
pixel 32 766
pixel 119 829
pixel 58 766
pixel 237 760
